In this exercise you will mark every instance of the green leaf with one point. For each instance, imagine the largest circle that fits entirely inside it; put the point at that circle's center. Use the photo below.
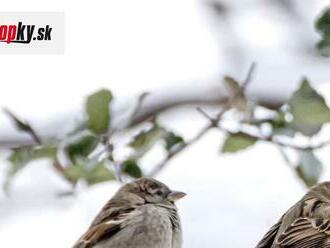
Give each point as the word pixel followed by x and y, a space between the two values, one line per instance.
pixel 23 126
pixel 323 23
pixel 309 110
pixel 20 125
pixel 45 152
pixel 20 157
pixel 74 172
pixel 98 111
pixel 281 126
pixel 324 47
pixel 23 155
pixel 82 148
pixel 323 26
pixel 279 121
pixel 99 173
pixel 237 142
pixel 172 141
pixel 309 168
pixel 145 140
pixel 131 168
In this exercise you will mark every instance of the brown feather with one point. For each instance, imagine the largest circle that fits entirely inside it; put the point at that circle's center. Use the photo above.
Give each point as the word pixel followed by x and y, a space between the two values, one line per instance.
pixel 269 237
pixel 126 209
pixel 305 225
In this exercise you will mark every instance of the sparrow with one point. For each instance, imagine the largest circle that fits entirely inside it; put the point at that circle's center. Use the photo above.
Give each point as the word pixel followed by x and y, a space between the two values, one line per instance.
pixel 142 214
pixel 304 225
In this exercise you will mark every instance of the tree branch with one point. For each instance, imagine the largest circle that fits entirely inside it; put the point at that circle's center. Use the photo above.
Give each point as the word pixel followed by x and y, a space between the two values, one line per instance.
pixel 249 76
pixel 270 139
pixel 194 94
pixel 195 139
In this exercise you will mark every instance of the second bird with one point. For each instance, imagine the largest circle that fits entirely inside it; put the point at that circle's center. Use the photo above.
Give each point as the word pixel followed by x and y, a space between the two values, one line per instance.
pixel 305 225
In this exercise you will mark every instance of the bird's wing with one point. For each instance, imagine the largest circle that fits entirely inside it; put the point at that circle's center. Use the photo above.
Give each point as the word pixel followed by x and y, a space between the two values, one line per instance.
pixel 268 240
pixel 107 224
pixel 306 233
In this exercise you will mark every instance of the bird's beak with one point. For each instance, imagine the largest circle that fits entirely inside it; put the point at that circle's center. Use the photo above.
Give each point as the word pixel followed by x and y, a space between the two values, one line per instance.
pixel 175 195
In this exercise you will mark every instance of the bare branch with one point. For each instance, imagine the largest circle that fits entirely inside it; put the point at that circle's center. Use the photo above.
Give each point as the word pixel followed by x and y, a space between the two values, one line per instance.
pixel 208 94
pixel 213 121
pixel 118 171
pixel 160 105
pixel 271 138
pixel 138 106
pixel 249 76
pixel 276 141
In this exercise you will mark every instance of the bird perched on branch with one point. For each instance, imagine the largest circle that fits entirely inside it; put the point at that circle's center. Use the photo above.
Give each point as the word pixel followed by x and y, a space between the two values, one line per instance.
pixel 142 214
pixel 305 225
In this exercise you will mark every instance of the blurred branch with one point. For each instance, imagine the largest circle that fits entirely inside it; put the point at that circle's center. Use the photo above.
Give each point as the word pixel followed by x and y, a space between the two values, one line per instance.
pixel 273 139
pixel 90 154
pixel 160 101
pixel 154 107
pixel 24 126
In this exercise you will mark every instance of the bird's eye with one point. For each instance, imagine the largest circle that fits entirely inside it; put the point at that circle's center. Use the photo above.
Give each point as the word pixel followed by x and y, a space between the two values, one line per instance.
pixel 159 193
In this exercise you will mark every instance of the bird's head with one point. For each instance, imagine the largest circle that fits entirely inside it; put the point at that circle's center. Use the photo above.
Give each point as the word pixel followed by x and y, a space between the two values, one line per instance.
pixel 152 191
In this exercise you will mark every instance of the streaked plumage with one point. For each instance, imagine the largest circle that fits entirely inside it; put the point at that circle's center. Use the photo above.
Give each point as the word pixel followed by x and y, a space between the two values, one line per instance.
pixel 305 225
pixel 142 214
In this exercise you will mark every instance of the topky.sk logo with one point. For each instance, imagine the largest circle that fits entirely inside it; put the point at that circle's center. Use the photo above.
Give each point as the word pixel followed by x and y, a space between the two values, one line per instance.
pixel 21 33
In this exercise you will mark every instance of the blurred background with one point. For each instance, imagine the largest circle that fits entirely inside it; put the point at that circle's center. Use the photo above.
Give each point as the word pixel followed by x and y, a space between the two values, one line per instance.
pixel 179 53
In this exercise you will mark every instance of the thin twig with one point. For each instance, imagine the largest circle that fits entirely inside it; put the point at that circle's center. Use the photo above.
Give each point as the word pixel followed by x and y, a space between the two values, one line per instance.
pixel 118 171
pixel 320 145
pixel 137 107
pixel 59 168
pixel 212 124
pixel 271 138
pixel 249 76
pixel 196 138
